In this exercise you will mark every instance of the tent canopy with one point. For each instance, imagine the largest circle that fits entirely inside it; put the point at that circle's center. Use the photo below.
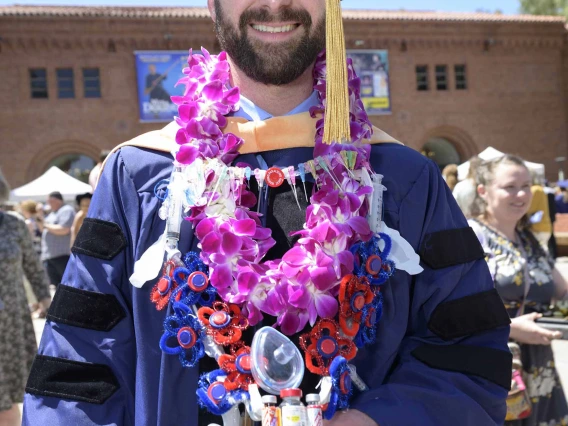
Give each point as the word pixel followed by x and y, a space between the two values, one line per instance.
pixel 490 154
pixel 52 180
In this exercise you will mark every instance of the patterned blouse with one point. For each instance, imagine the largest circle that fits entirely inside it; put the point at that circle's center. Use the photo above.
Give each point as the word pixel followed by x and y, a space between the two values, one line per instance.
pixel 510 263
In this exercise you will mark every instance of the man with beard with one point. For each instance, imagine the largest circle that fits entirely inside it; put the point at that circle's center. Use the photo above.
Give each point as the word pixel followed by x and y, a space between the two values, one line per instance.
pixel 440 357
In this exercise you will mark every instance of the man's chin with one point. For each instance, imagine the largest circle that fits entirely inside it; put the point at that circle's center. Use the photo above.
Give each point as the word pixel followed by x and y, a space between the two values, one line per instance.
pixel 274 55
pixel 277 47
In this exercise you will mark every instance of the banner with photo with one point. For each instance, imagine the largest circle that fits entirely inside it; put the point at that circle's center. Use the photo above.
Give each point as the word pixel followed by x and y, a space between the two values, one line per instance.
pixel 157 72
pixel 372 67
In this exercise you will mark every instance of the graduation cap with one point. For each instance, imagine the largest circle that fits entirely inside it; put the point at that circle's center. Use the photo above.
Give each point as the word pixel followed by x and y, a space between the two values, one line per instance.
pixel 336 127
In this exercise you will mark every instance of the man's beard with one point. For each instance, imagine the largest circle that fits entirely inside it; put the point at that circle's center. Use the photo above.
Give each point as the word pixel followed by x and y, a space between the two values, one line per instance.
pixel 270 63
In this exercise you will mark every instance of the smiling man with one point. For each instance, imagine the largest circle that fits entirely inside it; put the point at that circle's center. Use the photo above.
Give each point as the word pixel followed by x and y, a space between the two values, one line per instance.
pixel 440 357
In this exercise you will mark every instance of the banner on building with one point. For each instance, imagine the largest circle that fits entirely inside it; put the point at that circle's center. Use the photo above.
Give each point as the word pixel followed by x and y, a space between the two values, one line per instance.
pixel 372 67
pixel 157 72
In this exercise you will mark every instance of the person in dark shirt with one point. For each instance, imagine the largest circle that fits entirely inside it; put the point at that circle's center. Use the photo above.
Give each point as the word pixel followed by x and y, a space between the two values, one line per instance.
pixel 154 86
pixel 562 201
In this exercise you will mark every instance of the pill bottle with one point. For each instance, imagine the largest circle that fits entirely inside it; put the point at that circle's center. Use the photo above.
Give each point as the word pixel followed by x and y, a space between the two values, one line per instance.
pixel 293 411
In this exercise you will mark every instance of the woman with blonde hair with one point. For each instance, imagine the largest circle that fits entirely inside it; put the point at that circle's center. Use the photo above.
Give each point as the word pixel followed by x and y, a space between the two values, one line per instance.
pixel 525 277
pixel 17 338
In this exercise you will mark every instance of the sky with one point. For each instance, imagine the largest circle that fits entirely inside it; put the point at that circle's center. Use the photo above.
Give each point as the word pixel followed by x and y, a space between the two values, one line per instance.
pixel 506 6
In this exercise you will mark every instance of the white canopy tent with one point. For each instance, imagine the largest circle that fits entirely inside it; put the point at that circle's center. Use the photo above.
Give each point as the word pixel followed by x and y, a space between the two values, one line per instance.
pixel 54 179
pixel 490 154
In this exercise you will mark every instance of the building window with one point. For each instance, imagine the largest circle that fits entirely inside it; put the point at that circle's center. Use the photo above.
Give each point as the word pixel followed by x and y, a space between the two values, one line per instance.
pixel 38 83
pixel 461 77
pixel 65 83
pixel 422 77
pixel 92 82
pixel 441 77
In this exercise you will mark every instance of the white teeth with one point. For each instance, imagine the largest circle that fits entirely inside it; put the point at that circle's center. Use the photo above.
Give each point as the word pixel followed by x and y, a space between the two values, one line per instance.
pixel 266 29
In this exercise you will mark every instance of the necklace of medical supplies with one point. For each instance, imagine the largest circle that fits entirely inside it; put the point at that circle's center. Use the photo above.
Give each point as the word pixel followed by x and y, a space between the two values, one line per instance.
pixel 331 278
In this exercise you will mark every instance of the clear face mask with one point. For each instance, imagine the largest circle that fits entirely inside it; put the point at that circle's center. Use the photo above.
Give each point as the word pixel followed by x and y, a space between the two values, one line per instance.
pixel 276 362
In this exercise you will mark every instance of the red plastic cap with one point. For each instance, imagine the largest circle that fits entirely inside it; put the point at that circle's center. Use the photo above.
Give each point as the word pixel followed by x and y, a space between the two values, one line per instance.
pixel 285 393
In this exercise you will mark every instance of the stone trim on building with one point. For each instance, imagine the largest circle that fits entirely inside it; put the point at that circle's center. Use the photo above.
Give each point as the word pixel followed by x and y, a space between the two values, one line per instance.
pixel 202 12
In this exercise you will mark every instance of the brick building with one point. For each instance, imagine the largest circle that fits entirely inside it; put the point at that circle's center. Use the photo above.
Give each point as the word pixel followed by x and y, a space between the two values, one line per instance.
pixel 459 82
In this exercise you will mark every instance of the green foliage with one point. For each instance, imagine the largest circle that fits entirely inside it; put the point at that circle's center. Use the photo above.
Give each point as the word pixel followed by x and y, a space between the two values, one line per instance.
pixel 544 7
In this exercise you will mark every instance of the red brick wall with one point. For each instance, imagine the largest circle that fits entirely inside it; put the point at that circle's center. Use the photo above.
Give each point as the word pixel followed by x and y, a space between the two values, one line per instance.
pixel 515 102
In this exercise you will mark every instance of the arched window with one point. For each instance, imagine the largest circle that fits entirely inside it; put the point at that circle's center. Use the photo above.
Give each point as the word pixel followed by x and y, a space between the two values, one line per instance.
pixel 77 165
pixel 441 151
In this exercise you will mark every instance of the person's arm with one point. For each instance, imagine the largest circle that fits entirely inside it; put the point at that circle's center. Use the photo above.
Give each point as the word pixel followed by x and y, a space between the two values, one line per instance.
pixel 66 217
pixel 351 418
pixel 77 222
pixel 445 333
pixel 30 226
pixel 524 329
pixel 560 285
pixel 32 268
pixel 57 229
pixel 84 373
pixel 39 220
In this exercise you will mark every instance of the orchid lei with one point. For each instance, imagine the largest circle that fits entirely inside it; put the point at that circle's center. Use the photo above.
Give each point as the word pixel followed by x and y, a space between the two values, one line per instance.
pixel 334 270
pixel 304 284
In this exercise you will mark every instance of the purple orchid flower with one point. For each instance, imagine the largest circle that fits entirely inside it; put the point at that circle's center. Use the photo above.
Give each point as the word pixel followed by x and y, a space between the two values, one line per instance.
pixel 301 286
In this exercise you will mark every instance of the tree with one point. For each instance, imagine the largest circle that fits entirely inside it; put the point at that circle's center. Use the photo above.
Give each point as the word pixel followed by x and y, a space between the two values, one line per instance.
pixel 544 7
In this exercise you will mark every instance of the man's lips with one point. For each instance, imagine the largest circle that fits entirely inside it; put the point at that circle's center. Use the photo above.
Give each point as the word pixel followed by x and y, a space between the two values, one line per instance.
pixel 275 28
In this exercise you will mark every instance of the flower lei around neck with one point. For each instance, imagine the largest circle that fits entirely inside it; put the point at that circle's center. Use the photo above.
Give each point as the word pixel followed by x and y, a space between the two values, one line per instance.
pixel 330 279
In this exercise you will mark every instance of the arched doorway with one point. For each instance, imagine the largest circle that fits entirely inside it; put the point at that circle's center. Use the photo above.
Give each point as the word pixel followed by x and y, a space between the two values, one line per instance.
pixel 77 165
pixel 441 151
pixel 72 156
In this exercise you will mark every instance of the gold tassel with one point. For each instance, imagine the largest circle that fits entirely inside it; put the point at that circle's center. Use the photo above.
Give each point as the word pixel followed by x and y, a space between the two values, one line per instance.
pixel 336 127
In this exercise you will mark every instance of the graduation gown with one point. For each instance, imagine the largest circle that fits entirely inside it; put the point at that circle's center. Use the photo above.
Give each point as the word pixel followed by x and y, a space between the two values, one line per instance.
pixel 440 358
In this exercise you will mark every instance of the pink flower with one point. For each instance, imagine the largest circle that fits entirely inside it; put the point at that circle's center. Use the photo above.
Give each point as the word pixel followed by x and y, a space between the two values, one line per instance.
pixel 258 293
pixel 361 127
pixel 311 278
pixel 202 109
pixel 303 285
pixel 226 247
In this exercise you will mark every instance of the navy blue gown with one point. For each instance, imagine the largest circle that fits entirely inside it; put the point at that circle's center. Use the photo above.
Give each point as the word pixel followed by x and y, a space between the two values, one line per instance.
pixel 440 358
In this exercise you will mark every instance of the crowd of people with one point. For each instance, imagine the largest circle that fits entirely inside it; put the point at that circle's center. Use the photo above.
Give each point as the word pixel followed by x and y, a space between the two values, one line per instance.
pixel 512 214
pixel 35 245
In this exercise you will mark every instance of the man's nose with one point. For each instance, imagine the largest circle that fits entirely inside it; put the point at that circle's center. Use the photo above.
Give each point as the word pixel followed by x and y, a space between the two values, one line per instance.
pixel 275 5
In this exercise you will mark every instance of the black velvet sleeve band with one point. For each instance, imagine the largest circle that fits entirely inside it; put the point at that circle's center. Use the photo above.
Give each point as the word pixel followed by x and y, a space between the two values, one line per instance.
pixel 100 239
pixel 449 248
pixel 469 315
pixel 491 364
pixel 73 380
pixel 85 309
